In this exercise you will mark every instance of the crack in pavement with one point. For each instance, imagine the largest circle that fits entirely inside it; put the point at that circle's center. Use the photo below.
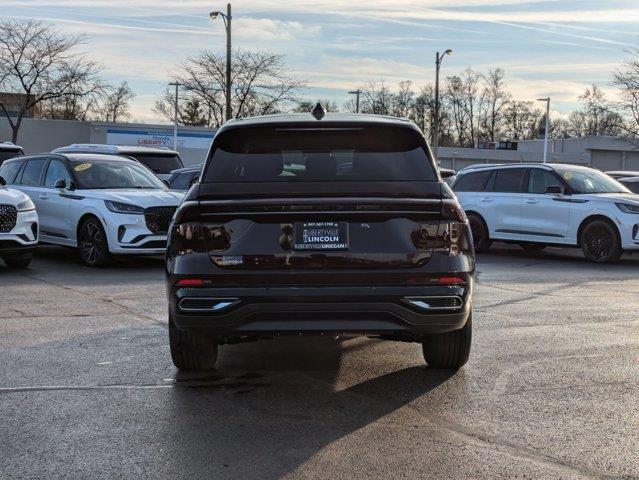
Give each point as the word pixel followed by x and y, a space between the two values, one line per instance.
pixel 102 299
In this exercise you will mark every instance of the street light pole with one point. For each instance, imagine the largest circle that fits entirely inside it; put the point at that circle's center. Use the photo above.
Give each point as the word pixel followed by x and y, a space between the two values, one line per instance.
pixel 175 84
pixel 357 93
pixel 547 100
pixel 227 17
pixel 438 62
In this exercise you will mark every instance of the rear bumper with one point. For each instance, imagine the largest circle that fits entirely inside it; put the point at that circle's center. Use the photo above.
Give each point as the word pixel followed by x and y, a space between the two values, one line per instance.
pixel 372 310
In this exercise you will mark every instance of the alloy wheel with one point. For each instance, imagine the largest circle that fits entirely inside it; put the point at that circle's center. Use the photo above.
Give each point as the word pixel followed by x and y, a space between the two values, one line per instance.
pixel 91 243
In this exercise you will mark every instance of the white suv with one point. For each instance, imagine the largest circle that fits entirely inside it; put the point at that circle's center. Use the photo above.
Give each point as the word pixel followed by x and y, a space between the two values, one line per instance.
pixel 159 160
pixel 550 204
pixel 18 227
pixel 101 204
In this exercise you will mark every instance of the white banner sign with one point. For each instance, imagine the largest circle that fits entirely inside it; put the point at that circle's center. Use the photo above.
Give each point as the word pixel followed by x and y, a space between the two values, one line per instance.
pixel 159 138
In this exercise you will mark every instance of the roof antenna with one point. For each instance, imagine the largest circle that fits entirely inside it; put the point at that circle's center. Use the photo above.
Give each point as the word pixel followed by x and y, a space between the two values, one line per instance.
pixel 318 111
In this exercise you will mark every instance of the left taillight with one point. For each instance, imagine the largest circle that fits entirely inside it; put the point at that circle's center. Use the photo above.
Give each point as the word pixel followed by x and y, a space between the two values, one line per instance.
pixel 186 238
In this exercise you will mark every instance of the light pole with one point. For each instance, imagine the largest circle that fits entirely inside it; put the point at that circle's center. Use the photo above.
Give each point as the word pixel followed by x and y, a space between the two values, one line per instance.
pixel 227 23
pixel 175 84
pixel 357 93
pixel 438 62
pixel 547 100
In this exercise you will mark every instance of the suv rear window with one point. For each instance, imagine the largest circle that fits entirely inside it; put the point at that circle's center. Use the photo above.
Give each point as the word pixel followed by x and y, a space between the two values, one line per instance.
pixel 473 182
pixel 158 163
pixel 7 154
pixel 325 154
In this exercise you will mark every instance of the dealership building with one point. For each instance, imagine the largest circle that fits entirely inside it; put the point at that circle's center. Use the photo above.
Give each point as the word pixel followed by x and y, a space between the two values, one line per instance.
pixel 40 135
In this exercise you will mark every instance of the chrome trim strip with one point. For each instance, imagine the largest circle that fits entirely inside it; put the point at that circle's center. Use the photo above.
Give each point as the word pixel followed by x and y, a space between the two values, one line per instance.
pixel 221 305
pixel 421 302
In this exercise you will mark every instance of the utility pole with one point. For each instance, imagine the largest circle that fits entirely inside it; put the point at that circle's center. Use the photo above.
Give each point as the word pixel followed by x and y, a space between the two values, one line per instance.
pixel 547 100
pixel 357 93
pixel 227 17
pixel 175 84
pixel 438 63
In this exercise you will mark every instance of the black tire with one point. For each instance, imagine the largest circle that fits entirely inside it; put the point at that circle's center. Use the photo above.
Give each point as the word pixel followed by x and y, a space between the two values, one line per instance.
pixel 448 350
pixel 191 352
pixel 93 244
pixel 600 242
pixel 481 238
pixel 532 247
pixel 18 261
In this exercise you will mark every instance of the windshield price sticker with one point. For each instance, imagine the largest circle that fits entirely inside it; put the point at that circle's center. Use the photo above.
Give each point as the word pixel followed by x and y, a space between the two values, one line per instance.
pixel 82 167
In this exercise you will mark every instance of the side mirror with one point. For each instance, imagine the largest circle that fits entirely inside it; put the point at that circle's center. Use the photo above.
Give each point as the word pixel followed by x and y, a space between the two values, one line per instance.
pixel 446 173
pixel 3 182
pixel 554 190
pixel 60 184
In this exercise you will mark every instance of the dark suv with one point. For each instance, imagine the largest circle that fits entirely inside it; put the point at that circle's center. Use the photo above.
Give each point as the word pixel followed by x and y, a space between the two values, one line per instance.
pixel 311 224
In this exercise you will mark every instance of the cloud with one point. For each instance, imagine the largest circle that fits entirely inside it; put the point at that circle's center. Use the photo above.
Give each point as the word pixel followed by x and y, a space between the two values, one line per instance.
pixel 273 30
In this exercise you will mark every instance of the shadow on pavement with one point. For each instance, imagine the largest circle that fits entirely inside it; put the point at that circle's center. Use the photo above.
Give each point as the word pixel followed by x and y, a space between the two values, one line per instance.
pixel 283 409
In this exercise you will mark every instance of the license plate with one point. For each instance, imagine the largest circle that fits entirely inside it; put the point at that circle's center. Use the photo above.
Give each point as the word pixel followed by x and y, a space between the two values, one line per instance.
pixel 321 236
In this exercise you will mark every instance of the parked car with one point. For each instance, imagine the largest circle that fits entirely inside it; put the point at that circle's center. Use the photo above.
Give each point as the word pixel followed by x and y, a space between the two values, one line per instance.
pixel 553 204
pixel 101 204
pixel 631 183
pixel 18 227
pixel 183 178
pixel 9 150
pixel 161 161
pixel 617 174
pixel 337 225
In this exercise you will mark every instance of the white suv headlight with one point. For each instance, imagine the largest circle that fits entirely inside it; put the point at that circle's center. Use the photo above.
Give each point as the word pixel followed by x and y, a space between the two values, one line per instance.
pixel 25 205
pixel 628 208
pixel 119 207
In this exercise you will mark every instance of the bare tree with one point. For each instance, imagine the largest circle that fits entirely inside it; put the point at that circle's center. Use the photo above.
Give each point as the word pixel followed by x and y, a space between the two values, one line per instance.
pixel 627 79
pixel 495 99
pixel 260 85
pixel 596 117
pixel 41 63
pixel 521 120
pixel 376 98
pixel 117 102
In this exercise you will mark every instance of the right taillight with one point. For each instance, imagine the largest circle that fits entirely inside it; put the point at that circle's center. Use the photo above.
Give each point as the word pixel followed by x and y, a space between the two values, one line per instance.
pixel 452 235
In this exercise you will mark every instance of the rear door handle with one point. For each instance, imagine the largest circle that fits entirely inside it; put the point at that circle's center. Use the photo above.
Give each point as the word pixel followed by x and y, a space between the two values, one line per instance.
pixel 531 201
pixel 486 200
pixel 43 196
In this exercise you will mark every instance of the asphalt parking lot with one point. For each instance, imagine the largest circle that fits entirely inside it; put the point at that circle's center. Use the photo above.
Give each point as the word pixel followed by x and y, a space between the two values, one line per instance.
pixel 87 388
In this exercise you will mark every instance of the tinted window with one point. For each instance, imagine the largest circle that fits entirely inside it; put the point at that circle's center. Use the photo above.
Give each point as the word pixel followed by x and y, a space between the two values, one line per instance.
pixel 7 154
pixel 161 164
pixel 508 180
pixel 57 170
pixel 473 182
pixel 33 172
pixel 632 186
pixel 268 154
pixel 539 180
pixel 9 170
pixel 183 181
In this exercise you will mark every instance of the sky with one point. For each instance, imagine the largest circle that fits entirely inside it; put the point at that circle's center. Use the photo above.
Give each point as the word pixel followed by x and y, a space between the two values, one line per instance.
pixel 553 48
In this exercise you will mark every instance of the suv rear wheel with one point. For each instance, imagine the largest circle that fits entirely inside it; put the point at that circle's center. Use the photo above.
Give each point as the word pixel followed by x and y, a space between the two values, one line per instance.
pixel 481 239
pixel 600 242
pixel 450 349
pixel 191 352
